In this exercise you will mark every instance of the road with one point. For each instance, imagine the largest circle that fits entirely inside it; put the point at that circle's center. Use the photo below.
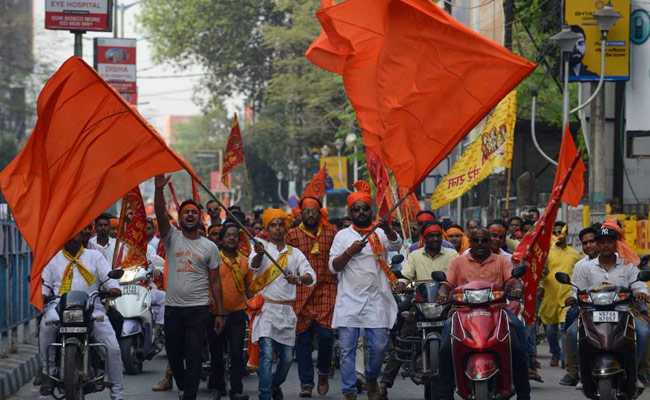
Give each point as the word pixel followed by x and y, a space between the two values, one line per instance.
pixel 139 387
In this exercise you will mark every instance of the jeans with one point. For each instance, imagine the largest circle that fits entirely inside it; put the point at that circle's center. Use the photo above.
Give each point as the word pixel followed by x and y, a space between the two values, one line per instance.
pixel 232 339
pixel 268 381
pixel 185 332
pixel 553 338
pixel 642 335
pixel 377 342
pixel 304 349
pixel 518 340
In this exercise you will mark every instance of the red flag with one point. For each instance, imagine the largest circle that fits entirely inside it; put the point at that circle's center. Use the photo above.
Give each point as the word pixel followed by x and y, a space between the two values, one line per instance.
pixel 379 176
pixel 534 247
pixel 88 148
pixel 418 79
pixel 134 232
pixel 316 186
pixel 575 189
pixel 234 154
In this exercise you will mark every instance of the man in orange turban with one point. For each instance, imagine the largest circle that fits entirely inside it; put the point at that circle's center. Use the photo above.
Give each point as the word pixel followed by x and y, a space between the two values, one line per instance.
pixel 364 296
pixel 314 304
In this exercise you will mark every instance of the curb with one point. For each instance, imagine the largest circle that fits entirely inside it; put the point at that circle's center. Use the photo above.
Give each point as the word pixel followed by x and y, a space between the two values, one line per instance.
pixel 17 369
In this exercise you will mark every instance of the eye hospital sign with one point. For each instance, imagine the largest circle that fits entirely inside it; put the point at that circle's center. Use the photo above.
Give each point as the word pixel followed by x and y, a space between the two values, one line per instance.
pixel 79 15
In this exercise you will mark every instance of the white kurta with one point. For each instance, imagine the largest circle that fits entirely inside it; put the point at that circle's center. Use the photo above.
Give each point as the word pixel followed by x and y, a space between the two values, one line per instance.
pixel 364 298
pixel 278 321
pixel 107 251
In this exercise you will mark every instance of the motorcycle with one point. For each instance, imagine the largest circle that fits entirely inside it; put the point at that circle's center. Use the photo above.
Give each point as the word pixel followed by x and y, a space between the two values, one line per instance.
pixel 419 353
pixel 79 364
pixel 134 325
pixel 480 339
pixel 607 340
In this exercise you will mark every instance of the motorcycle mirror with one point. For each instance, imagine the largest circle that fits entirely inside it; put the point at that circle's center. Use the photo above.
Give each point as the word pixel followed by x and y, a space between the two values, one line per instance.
pixel 644 276
pixel 116 273
pixel 397 259
pixel 562 278
pixel 518 272
pixel 439 276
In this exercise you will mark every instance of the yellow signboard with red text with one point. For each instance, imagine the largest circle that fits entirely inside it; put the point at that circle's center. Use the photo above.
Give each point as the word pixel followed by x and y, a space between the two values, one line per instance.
pixel 490 150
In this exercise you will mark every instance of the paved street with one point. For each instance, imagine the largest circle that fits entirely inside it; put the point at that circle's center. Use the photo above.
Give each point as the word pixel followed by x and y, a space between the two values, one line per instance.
pixel 139 387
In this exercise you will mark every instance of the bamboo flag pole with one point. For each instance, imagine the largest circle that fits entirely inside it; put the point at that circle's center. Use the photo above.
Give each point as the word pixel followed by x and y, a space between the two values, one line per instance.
pixel 120 229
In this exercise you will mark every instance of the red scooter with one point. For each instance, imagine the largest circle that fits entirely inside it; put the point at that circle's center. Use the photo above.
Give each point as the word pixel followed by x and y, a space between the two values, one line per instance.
pixel 480 340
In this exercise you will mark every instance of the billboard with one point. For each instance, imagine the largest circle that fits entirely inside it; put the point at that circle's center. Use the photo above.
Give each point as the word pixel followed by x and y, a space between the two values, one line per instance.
pixel 337 170
pixel 585 57
pixel 75 15
pixel 115 61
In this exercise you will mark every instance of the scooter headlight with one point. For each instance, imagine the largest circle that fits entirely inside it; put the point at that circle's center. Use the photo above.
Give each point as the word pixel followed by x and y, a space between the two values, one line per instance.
pixel 603 298
pixel 73 316
pixel 430 310
pixel 479 296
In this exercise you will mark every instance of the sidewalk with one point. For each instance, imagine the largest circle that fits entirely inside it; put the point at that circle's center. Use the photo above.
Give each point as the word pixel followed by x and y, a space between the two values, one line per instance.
pixel 17 369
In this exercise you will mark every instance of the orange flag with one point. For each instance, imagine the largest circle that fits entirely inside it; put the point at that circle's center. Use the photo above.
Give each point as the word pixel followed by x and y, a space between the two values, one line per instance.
pixel 418 79
pixel 134 232
pixel 379 176
pixel 234 154
pixel 316 186
pixel 88 148
pixel 576 187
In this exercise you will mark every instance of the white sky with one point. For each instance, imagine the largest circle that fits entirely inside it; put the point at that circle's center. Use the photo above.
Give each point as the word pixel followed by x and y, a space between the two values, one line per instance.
pixel 157 97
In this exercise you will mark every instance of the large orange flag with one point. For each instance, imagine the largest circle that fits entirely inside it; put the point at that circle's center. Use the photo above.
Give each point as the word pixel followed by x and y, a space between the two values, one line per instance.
pixel 575 189
pixel 234 153
pixel 418 79
pixel 88 148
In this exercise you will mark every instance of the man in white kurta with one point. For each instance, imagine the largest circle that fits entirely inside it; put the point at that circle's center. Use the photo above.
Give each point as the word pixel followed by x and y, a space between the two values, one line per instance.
pixel 364 297
pixel 274 328
pixel 97 269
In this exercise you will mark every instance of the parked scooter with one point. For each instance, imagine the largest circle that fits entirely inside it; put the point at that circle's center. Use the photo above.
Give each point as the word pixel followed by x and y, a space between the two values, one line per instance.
pixel 480 339
pixel 78 365
pixel 135 331
pixel 607 340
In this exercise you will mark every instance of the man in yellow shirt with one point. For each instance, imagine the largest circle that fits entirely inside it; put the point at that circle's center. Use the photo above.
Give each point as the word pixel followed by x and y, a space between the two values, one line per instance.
pixel 561 258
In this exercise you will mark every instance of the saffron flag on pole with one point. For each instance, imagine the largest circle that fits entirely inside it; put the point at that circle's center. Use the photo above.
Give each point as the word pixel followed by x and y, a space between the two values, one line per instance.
pixel 492 149
pixel 418 79
pixel 133 232
pixel 533 249
pixel 380 178
pixel 88 148
pixel 576 187
pixel 234 153
pixel 316 186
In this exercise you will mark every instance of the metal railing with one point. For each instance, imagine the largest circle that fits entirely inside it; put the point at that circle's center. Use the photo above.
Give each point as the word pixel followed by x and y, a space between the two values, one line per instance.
pixel 15 264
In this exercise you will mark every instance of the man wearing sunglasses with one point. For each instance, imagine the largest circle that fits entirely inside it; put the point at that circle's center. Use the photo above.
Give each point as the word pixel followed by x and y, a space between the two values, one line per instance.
pixel 482 264
pixel 364 298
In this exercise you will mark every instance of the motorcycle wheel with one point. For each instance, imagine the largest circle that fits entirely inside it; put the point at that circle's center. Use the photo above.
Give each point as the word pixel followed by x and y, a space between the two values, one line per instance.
pixel 606 389
pixel 481 390
pixel 132 364
pixel 72 387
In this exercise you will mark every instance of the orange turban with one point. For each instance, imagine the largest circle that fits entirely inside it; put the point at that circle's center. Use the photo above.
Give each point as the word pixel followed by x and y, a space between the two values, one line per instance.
pixel 624 250
pixel 274 213
pixel 464 242
pixel 114 222
pixel 362 194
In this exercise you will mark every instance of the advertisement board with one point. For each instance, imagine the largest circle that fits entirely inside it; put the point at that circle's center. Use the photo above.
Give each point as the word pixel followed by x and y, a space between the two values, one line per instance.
pixel 337 170
pixel 585 58
pixel 79 15
pixel 115 61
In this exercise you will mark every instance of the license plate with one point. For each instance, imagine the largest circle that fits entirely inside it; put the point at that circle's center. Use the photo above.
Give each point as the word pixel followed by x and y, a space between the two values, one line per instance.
pixel 73 329
pixel 130 289
pixel 428 324
pixel 605 316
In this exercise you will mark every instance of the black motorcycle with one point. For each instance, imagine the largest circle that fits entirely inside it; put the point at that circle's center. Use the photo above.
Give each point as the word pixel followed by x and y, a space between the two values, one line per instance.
pixel 78 365
pixel 607 340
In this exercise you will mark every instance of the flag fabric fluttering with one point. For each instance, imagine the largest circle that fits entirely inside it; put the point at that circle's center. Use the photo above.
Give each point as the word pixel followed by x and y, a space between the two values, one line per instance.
pixel 234 153
pixel 533 249
pixel 88 148
pixel 576 187
pixel 418 80
pixel 380 178
pixel 316 186
pixel 133 232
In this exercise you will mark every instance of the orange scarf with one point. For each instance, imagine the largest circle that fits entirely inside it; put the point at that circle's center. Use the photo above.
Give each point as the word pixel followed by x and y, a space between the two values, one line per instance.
pixel 378 250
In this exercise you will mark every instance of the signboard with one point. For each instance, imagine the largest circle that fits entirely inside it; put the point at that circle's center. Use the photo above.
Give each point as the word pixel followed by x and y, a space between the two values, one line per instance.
pixel 337 169
pixel 585 58
pixel 79 15
pixel 115 61
pixel 490 150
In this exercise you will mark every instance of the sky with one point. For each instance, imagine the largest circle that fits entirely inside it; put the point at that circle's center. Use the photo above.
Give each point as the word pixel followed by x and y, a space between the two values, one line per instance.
pixel 157 97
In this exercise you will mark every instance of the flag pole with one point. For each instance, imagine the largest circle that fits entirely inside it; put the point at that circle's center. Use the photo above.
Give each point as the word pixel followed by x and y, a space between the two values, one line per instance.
pixel 240 224
pixel 120 229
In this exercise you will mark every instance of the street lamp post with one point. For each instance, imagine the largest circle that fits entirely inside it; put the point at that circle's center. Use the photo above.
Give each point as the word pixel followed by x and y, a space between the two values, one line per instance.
pixel 280 176
pixel 351 142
